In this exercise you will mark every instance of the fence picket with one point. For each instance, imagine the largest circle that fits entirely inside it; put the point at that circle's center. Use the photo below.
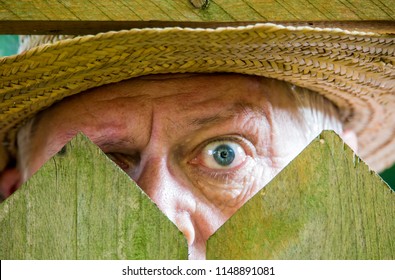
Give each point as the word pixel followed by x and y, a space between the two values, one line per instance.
pixel 326 204
pixel 82 206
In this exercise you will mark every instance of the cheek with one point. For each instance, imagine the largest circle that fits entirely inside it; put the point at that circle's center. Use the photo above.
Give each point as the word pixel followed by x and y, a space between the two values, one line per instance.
pixel 32 162
pixel 30 165
pixel 36 153
pixel 228 193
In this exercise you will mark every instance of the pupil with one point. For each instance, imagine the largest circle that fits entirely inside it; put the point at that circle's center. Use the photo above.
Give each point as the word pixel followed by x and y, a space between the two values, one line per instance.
pixel 224 155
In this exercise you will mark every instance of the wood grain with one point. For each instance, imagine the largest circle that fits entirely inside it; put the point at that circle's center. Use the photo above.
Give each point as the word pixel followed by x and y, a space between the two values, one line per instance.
pixel 326 204
pixel 69 17
pixel 82 206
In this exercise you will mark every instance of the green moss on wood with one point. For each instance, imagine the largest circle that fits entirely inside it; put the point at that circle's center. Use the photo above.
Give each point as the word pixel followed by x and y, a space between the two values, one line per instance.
pixel 80 205
pixel 326 204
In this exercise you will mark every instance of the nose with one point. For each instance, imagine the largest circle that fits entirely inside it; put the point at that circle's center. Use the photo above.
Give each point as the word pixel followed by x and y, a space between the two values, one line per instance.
pixel 175 200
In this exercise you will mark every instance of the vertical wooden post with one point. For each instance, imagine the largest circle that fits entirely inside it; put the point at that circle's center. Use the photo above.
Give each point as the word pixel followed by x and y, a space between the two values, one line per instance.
pixel 80 205
pixel 326 204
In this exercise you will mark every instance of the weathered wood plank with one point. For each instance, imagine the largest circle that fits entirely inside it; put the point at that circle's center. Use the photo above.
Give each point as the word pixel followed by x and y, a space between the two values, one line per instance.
pixel 82 206
pixel 179 10
pixel 56 16
pixel 92 27
pixel 326 204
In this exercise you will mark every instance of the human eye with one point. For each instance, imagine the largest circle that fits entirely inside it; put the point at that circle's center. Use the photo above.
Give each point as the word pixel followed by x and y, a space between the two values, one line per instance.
pixel 225 169
pixel 126 162
pixel 224 154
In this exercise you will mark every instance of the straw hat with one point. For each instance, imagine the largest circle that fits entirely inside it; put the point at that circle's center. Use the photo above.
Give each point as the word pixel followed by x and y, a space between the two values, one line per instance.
pixel 355 70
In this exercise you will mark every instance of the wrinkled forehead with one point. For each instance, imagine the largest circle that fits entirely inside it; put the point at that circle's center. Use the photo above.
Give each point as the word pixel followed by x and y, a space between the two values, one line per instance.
pixel 192 101
pixel 179 94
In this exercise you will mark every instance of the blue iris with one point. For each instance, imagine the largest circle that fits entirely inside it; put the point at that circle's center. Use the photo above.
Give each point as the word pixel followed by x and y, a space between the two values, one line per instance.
pixel 224 155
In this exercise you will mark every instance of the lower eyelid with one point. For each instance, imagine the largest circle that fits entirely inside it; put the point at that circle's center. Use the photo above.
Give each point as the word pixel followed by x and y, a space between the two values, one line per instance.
pixel 225 175
pixel 228 171
pixel 229 190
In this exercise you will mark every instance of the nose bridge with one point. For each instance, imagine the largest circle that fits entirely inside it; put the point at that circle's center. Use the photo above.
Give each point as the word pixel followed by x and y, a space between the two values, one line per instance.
pixel 154 178
pixel 160 181
pixel 164 188
pixel 168 193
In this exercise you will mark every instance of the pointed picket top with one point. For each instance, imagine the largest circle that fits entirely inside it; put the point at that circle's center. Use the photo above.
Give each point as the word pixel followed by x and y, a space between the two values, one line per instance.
pixel 326 204
pixel 80 205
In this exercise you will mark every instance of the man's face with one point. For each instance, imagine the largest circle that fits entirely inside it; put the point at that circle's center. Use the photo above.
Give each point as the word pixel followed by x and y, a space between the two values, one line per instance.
pixel 199 145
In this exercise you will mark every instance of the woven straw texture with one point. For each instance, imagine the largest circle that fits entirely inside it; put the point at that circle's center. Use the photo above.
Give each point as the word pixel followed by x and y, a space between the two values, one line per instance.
pixel 354 70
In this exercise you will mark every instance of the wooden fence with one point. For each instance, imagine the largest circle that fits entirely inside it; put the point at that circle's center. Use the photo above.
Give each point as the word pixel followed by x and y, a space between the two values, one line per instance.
pixel 326 204
pixel 83 16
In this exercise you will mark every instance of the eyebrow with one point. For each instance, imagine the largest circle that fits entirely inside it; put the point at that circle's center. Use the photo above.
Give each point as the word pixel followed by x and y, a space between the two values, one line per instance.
pixel 114 143
pixel 238 108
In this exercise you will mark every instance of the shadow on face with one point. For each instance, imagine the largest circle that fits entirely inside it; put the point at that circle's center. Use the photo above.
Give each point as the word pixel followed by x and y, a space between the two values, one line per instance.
pixel 199 145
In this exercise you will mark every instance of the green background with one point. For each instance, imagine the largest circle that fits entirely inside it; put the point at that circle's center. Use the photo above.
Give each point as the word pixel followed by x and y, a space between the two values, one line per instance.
pixel 9 46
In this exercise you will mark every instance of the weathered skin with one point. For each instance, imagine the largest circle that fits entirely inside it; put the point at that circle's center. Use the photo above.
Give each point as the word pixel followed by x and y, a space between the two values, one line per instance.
pixel 161 129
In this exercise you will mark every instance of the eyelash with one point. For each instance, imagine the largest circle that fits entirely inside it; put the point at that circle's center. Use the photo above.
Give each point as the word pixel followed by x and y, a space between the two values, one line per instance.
pixel 239 139
pixel 125 162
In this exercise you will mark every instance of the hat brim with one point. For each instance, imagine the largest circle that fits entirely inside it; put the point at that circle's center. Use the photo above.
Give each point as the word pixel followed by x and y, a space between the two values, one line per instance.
pixel 355 70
